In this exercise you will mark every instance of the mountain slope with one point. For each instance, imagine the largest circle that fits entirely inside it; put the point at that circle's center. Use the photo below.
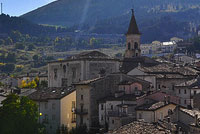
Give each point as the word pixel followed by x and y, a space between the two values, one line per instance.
pixel 112 16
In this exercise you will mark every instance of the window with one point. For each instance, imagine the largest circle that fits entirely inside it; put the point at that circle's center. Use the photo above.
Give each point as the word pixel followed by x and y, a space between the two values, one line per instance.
pixel 101 106
pixel 81 97
pixel 179 91
pixel 129 46
pixel 73 117
pixel 101 117
pixel 185 91
pixel 136 54
pixel 55 73
pixel 53 106
pixel 195 92
pixel 46 105
pixel 73 73
pixel 136 45
pixel 136 88
pixel 45 117
pixel 81 108
pixel 81 122
pixel 140 115
pixel 64 69
pixel 73 104
pixel 111 107
pixel 53 117
pixel 185 101
pixel 113 122
pixel 159 86
pixel 64 82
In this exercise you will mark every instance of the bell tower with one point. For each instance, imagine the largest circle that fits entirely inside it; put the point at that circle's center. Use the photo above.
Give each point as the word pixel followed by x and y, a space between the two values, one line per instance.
pixel 133 39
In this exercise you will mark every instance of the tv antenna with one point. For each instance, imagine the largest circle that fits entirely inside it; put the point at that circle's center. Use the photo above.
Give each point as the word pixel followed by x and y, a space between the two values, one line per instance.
pixel 1 8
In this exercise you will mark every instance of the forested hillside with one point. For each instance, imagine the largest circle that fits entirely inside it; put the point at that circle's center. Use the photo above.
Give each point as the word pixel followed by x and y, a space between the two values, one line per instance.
pixel 157 19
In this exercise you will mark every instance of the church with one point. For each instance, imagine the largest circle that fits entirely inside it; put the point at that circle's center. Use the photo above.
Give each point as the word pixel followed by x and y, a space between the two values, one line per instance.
pixel 132 57
pixel 92 64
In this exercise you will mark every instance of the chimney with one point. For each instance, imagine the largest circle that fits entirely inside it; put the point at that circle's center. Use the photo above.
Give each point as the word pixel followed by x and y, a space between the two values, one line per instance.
pixel 165 100
pixel 196 119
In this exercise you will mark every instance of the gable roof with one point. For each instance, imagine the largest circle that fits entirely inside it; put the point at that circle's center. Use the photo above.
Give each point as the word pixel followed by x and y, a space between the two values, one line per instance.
pixel 50 94
pixel 153 106
pixel 88 55
pixel 130 63
pixel 133 28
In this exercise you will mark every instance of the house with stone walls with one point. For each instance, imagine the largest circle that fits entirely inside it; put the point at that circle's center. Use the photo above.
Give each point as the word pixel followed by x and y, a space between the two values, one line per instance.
pixel 84 66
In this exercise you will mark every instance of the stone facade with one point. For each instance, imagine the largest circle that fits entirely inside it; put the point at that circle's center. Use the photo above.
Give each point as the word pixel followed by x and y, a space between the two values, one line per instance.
pixel 82 67
pixel 89 92
pixel 132 46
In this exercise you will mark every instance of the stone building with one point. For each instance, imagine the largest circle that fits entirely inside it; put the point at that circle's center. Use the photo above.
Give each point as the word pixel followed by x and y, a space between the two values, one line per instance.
pixel 132 55
pixel 91 91
pixel 84 66
pixel 187 120
pixel 133 39
pixel 119 109
pixel 187 91
pixel 154 111
pixel 164 76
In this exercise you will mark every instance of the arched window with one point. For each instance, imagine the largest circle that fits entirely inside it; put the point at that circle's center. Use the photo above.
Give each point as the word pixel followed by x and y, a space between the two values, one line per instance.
pixel 129 46
pixel 136 45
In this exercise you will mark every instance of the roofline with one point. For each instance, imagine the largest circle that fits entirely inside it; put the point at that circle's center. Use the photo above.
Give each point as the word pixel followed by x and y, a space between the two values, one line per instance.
pixel 156 108
pixel 44 100
pixel 83 59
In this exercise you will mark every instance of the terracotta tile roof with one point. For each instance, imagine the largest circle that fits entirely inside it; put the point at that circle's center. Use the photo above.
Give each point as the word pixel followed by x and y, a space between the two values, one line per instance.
pixel 50 93
pixel 127 97
pixel 152 106
pixel 192 113
pixel 168 68
pixel 130 63
pixel 139 127
pixel 194 83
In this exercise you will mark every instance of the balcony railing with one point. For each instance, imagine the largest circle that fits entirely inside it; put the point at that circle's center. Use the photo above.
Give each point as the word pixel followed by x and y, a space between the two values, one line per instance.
pixel 81 111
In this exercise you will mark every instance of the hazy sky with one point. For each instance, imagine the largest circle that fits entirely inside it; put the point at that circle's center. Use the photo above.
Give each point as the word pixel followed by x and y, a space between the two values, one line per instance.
pixel 19 7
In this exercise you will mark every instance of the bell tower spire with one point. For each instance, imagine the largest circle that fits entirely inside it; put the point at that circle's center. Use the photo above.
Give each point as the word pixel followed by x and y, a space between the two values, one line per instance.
pixel 133 39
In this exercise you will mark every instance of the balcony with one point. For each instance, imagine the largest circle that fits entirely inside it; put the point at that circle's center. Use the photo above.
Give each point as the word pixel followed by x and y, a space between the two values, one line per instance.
pixel 73 120
pixel 81 111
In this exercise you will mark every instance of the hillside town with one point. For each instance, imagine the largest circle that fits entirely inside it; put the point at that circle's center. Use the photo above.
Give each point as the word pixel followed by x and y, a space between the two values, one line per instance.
pixel 144 92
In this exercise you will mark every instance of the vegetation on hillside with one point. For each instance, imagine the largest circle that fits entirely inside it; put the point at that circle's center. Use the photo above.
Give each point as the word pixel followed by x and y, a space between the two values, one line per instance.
pixel 152 16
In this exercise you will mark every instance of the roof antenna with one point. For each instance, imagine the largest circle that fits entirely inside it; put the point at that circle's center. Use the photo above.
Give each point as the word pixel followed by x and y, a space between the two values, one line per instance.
pixel 132 7
pixel 132 11
pixel 1 8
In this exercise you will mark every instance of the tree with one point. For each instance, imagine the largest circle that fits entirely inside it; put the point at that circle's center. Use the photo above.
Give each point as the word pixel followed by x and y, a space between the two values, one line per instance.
pixel 35 57
pixel 31 47
pixel 19 46
pixel 18 115
pixel 2 42
pixel 8 41
pixel 8 68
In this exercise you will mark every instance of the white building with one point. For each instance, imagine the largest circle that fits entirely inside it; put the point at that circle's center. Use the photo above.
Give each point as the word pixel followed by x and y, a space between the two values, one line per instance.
pixel 56 108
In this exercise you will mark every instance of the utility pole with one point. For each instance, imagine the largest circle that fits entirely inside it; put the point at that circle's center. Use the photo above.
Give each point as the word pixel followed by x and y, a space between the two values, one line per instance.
pixel 1 8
